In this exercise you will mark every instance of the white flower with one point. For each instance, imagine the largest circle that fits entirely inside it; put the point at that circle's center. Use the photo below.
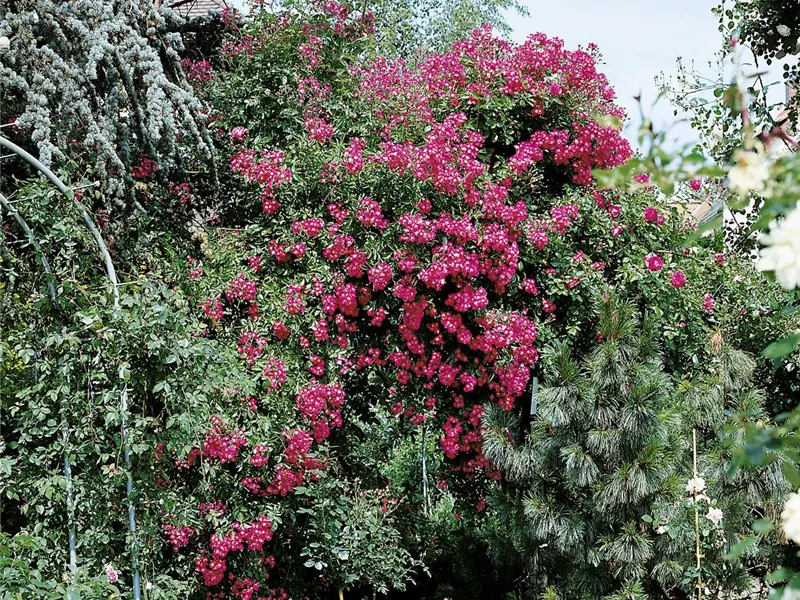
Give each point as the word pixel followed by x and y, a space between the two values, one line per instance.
pixel 714 515
pixel 148 586
pixel 5 44
pixel 783 30
pixel 791 518
pixel 717 134
pixel 661 530
pixel 696 485
pixel 789 594
pixel 749 173
pixel 781 253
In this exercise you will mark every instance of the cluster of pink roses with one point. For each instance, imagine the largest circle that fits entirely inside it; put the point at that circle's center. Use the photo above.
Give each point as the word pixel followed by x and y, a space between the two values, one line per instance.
pixel 435 308
pixel 405 248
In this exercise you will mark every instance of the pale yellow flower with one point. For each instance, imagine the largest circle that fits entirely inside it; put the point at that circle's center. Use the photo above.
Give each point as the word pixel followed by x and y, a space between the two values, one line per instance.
pixel 750 172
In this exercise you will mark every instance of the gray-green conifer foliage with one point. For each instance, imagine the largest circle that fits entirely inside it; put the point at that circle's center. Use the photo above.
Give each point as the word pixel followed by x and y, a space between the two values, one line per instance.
pixel 595 502
pixel 102 78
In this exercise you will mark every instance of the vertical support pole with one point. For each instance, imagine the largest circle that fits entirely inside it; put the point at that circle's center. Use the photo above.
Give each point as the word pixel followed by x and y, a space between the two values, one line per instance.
pixel 73 555
pixel 424 472
pixel 534 396
pixel 696 517
pixel 129 488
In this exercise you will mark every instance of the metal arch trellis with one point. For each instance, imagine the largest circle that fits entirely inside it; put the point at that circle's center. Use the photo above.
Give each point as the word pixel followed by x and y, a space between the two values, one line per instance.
pixel 67 192
pixel 51 289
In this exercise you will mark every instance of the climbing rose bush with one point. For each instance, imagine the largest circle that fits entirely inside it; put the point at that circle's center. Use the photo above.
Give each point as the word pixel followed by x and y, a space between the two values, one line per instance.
pixel 395 252
pixel 419 234
pixel 399 257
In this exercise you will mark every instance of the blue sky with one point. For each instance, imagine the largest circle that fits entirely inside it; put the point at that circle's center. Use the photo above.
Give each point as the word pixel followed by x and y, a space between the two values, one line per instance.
pixel 638 40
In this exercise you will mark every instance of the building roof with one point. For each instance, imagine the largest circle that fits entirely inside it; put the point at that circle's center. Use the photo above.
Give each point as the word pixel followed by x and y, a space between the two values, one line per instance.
pixel 197 8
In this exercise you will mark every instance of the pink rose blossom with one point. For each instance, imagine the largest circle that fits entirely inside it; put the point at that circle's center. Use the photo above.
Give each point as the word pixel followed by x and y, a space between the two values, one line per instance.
pixel 530 287
pixel 111 573
pixel 709 303
pixel 654 263
pixel 678 279
pixel 238 133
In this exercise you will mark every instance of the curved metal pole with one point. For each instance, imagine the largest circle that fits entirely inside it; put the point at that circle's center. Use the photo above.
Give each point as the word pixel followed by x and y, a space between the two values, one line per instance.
pixel 112 276
pixel 98 238
pixel 51 288
pixel 35 243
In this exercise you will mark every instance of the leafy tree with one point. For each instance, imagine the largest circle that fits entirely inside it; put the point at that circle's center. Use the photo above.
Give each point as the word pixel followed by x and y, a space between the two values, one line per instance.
pixel 410 30
pixel 772 30
pixel 406 28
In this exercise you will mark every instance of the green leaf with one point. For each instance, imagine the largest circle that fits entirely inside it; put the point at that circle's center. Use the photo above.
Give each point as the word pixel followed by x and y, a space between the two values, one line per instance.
pixel 792 474
pixel 782 347
pixel 73 594
pixel 763 525
pixel 741 547
pixel 781 574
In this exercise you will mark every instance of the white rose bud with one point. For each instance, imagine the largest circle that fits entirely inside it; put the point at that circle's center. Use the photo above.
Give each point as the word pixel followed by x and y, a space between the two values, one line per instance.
pixel 5 44
pixel 783 30
pixel 714 515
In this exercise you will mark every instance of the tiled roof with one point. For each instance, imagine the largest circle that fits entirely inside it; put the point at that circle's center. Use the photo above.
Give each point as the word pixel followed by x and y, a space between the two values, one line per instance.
pixel 197 8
